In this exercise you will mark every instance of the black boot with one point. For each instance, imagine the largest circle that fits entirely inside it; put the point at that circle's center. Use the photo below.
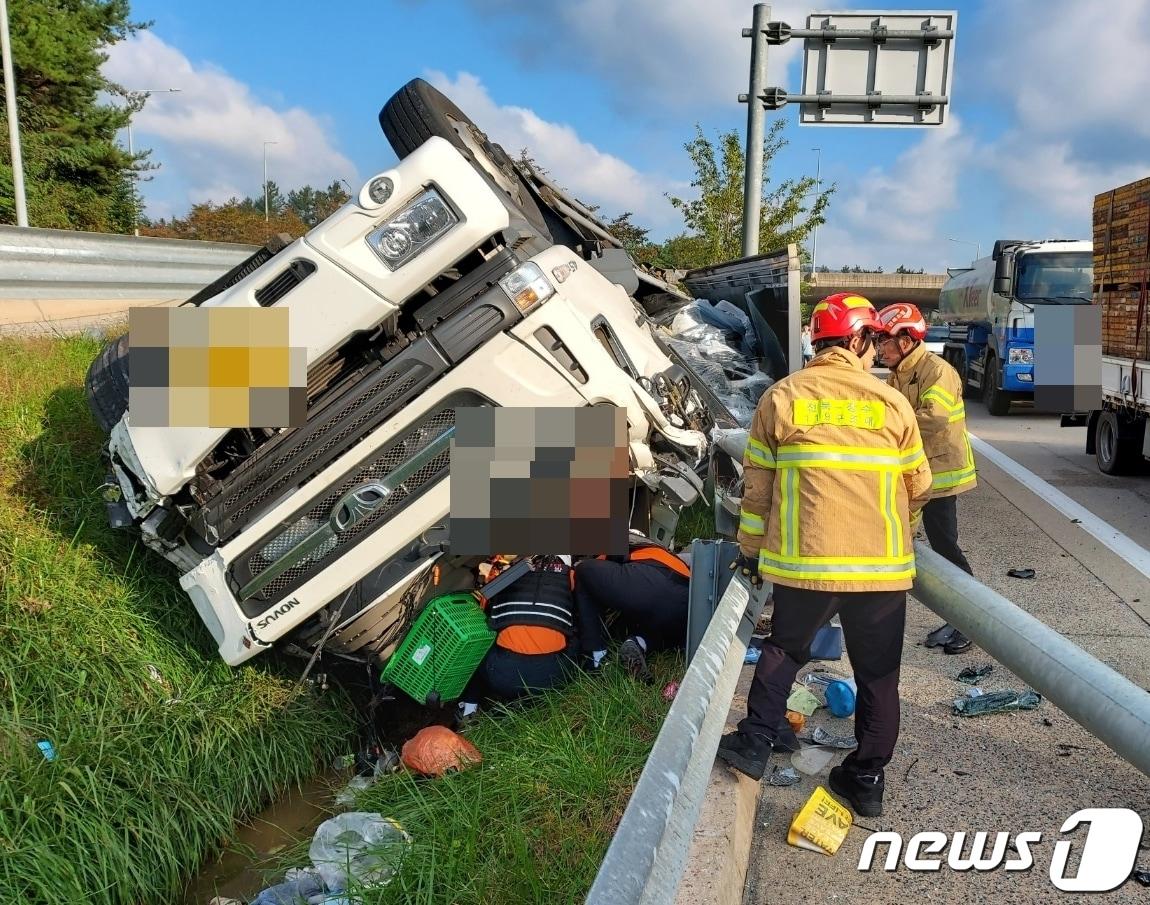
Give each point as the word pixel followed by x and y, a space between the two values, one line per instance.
pixel 747 754
pixel 941 635
pixel 864 793
pixel 956 644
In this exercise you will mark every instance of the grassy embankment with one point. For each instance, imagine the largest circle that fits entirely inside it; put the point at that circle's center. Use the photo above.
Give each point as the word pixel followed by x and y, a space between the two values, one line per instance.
pixel 159 744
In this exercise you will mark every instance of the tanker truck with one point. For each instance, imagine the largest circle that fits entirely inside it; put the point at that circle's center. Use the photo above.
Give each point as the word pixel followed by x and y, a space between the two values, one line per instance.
pixel 989 311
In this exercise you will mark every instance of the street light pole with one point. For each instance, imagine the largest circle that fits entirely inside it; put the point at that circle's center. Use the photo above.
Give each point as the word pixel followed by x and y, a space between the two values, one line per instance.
pixel 267 214
pixel 977 246
pixel 815 231
pixel 13 122
pixel 756 112
pixel 147 92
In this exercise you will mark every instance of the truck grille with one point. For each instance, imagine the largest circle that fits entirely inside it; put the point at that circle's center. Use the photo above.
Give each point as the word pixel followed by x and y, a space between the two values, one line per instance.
pixel 407 467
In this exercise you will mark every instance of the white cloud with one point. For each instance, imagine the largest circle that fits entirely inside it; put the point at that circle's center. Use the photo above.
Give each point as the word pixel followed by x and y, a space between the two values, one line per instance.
pixel 893 215
pixel 592 175
pixel 213 130
pixel 656 54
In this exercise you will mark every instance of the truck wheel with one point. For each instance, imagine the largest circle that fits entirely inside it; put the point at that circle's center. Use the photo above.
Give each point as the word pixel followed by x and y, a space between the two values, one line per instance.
pixel 997 401
pixel 417 111
pixel 1113 450
pixel 962 365
pixel 106 385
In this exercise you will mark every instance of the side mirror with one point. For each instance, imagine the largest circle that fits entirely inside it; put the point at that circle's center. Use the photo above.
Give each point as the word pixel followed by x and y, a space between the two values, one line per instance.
pixel 1003 274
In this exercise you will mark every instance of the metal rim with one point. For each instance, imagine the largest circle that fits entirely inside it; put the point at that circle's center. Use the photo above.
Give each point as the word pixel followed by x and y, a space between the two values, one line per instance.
pixel 1107 440
pixel 467 134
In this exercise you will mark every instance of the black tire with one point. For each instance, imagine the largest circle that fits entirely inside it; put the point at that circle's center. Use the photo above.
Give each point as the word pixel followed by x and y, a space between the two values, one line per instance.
pixel 1114 451
pixel 106 385
pixel 417 112
pixel 997 401
pixel 961 365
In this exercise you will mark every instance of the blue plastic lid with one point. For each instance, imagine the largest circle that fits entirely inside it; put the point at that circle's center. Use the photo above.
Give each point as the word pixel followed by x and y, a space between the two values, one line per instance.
pixel 840 699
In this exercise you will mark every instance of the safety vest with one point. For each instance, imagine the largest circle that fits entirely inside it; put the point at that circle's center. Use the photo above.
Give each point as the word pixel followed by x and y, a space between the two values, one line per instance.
pixel 834 466
pixel 541 599
pixel 934 390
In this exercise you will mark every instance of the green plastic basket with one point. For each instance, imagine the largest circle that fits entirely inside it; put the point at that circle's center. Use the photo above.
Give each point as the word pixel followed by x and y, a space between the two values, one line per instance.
pixel 441 651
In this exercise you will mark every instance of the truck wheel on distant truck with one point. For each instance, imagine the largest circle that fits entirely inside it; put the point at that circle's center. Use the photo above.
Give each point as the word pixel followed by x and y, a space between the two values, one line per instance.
pixel 106 385
pixel 1114 451
pixel 417 111
pixel 996 399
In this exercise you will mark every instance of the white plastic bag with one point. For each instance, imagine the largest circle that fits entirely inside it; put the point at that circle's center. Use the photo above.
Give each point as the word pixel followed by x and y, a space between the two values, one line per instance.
pixel 366 846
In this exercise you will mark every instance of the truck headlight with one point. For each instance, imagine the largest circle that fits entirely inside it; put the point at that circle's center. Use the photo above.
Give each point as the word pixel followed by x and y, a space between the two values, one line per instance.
pixel 1021 356
pixel 411 230
pixel 526 286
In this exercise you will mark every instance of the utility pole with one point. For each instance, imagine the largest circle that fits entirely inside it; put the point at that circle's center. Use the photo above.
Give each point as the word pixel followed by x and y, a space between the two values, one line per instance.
pixel 753 187
pixel 267 215
pixel 977 246
pixel 13 122
pixel 815 231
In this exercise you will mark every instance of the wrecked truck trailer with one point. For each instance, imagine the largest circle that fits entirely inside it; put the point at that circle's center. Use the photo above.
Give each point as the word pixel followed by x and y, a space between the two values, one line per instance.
pixel 453 279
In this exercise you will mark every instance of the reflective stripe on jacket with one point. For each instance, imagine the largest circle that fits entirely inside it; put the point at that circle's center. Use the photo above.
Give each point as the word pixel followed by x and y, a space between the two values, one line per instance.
pixel 934 389
pixel 833 469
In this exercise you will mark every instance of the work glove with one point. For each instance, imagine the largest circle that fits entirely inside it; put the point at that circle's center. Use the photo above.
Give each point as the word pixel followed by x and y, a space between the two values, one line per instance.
pixel 748 567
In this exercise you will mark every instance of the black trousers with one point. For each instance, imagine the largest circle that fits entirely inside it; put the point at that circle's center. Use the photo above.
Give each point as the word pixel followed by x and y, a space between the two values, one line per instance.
pixel 940 521
pixel 505 675
pixel 651 598
pixel 873 623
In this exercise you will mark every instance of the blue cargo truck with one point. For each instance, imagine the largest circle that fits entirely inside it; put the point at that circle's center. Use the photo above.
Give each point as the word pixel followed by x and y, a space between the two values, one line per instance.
pixel 989 310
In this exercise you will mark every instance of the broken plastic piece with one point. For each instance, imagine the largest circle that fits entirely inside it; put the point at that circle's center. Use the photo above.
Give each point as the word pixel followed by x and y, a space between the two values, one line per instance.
pixel 812 761
pixel 1141 876
pixel 1021 573
pixel 752 655
pixel 670 690
pixel 997 702
pixel 783 776
pixel 795 720
pixel 365 846
pixel 972 674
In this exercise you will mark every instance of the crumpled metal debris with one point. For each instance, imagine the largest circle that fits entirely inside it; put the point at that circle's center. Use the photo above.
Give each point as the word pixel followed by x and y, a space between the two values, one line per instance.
pixel 829 740
pixel 1021 573
pixel 783 776
pixel 997 702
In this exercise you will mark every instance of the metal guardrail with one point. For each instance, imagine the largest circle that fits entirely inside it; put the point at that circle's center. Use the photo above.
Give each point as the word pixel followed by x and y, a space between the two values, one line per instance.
pixel 62 264
pixel 649 851
pixel 1098 698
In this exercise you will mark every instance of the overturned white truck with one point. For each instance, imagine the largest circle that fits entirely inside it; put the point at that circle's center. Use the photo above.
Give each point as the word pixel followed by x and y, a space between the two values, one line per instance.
pixel 457 278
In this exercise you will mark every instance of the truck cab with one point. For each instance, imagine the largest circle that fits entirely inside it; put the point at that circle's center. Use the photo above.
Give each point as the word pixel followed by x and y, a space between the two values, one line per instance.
pixel 989 308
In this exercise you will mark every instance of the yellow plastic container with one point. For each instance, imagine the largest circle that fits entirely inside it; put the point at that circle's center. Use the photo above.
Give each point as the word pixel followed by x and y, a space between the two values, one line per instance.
pixel 821 824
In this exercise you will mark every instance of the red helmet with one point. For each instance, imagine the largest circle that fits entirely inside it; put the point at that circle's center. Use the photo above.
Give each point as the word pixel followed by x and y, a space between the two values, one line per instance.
pixel 903 317
pixel 841 315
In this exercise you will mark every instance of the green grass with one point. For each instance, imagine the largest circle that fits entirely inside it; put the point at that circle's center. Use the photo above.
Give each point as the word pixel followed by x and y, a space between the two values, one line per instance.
pixel 698 521
pixel 531 823
pixel 160 746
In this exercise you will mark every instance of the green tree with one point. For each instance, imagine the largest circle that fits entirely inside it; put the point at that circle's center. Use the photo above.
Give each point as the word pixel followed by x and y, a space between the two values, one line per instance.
pixel 716 215
pixel 75 174
pixel 634 237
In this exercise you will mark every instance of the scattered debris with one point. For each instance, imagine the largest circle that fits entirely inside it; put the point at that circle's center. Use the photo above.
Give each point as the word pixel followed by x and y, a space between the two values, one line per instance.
pixel 972 674
pixel 908 769
pixel 1046 721
pixel 821 824
pixel 1021 573
pixel 795 720
pixel 1141 876
pixel 829 740
pixel 940 636
pixel 47 749
pixel 975 692
pixel 802 701
pixel 1076 521
pixel 819 677
pixel 366 847
pixel 961 773
pixel 752 655
pixel 783 776
pixel 812 761
pixel 35 606
pixel 670 690
pixel 436 749
pixel 997 702
pixel 841 697
pixel 298 886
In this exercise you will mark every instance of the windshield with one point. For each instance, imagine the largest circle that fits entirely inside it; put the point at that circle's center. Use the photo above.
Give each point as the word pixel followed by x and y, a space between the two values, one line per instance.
pixel 1057 277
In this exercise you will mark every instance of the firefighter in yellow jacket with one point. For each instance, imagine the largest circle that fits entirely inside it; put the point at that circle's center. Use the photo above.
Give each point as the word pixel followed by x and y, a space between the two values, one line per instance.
pixel 833 471
pixel 934 389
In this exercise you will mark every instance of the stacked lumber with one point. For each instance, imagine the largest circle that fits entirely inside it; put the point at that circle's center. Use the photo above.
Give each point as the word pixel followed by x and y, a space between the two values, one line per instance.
pixel 1122 268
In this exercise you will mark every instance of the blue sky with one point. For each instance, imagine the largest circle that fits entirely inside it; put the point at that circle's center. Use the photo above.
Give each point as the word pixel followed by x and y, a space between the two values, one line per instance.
pixel 1048 107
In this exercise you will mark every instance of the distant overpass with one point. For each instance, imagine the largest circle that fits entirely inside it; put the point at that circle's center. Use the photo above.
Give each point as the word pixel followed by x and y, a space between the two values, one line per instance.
pixel 880 288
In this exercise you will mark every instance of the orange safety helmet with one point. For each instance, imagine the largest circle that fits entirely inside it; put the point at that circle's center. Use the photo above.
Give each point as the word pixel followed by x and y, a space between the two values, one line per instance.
pixel 903 317
pixel 841 315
